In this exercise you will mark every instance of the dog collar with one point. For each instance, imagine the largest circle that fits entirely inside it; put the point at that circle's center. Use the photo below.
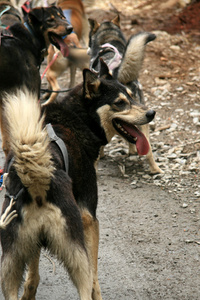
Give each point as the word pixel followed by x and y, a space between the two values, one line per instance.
pixel 54 138
pixel 35 42
pixel 29 28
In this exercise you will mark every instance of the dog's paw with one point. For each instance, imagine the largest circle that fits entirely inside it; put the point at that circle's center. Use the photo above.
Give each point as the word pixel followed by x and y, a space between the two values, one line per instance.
pixel 155 170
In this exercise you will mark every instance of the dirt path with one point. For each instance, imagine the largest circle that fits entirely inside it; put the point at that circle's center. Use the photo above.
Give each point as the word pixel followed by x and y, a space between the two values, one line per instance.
pixel 148 248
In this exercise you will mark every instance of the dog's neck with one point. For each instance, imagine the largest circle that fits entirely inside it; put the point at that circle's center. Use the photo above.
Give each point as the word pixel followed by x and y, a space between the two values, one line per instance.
pixel 36 40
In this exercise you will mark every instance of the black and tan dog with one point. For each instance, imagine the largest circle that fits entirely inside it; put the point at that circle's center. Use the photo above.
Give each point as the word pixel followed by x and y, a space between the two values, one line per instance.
pixel 22 49
pixel 77 43
pixel 53 211
pixel 124 59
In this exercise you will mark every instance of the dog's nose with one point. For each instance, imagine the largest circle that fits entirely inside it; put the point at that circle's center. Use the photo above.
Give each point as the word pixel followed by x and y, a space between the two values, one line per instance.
pixel 150 114
pixel 69 29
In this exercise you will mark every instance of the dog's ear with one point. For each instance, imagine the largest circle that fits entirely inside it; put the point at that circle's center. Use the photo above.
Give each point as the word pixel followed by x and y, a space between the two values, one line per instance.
pixel 104 70
pixel 116 21
pixel 94 25
pixel 36 14
pixel 90 83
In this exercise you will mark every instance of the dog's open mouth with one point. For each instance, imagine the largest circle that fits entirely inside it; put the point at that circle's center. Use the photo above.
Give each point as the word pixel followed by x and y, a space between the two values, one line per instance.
pixel 58 41
pixel 133 135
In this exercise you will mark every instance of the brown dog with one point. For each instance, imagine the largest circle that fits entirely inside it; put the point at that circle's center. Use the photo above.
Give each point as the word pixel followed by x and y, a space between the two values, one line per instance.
pixel 77 56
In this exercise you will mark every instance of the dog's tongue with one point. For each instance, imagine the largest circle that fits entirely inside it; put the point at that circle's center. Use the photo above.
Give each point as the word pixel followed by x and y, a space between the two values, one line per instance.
pixel 142 144
pixel 63 46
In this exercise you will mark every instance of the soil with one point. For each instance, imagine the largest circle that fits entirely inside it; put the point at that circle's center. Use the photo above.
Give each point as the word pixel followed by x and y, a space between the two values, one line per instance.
pixel 149 225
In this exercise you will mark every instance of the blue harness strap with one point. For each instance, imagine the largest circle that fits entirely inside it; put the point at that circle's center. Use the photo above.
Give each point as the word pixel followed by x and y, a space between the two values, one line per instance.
pixel 67 13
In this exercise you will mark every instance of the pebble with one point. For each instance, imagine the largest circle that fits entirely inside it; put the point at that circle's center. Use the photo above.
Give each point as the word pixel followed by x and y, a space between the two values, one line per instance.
pixel 185 205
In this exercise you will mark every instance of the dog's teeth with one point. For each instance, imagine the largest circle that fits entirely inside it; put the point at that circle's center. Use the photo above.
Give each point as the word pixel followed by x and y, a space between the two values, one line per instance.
pixel 125 132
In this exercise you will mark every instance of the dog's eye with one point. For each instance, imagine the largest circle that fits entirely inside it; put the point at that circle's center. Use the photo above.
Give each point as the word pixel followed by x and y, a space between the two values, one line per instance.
pixel 50 20
pixel 119 104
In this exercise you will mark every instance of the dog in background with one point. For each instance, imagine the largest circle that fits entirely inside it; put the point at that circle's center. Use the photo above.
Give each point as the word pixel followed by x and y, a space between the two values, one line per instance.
pixel 51 210
pixel 124 59
pixel 77 56
pixel 8 15
pixel 23 47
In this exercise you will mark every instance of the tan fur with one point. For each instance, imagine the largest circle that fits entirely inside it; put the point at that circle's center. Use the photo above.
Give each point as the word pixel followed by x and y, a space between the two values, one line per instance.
pixel 78 59
pixel 29 142
pixel 91 234
pixel 132 63
pixel 135 115
pixel 47 220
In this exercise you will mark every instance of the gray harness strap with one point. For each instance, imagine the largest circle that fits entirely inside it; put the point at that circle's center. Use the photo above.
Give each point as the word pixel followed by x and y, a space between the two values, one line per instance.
pixel 54 138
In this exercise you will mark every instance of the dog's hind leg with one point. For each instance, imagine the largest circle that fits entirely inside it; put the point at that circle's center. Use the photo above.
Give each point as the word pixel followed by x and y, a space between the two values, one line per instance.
pixel 32 279
pixel 12 268
pixel 91 234
pixel 76 261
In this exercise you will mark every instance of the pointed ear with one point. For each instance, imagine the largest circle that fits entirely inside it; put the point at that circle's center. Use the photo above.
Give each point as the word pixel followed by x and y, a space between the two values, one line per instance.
pixel 90 83
pixel 116 21
pixel 104 70
pixel 36 14
pixel 94 25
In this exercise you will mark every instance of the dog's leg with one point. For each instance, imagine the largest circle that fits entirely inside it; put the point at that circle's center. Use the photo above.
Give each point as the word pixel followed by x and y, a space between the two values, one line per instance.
pixel 32 279
pixel 91 233
pixel 101 153
pixel 76 261
pixel 12 268
pixel 72 76
pixel 52 79
pixel 132 149
pixel 154 169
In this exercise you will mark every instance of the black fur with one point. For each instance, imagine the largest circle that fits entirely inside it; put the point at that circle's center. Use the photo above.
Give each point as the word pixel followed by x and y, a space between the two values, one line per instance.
pixel 22 51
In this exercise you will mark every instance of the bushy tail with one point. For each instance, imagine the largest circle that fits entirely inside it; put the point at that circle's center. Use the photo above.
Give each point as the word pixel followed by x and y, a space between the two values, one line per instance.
pixel 29 142
pixel 134 56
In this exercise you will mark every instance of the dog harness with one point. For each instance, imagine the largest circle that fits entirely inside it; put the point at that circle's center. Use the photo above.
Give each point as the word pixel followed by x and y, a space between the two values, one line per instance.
pixel 113 63
pixel 54 138
pixel 5 10
pixel 1 14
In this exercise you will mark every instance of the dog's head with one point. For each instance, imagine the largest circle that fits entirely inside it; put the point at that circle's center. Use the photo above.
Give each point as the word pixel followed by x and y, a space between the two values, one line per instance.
pixel 112 105
pixel 124 58
pixel 50 24
pixel 106 32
